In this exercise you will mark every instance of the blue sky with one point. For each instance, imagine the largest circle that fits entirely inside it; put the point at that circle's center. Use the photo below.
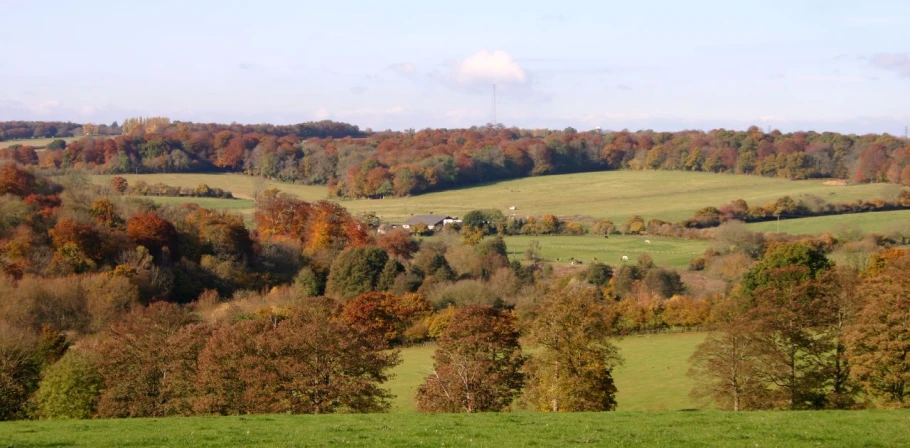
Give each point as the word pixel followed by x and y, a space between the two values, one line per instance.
pixel 664 65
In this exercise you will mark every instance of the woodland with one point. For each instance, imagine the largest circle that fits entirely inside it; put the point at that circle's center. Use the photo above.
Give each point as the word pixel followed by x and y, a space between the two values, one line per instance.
pixel 114 306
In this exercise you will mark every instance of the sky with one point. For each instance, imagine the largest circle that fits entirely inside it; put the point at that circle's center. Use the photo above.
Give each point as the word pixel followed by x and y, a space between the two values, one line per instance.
pixel 663 65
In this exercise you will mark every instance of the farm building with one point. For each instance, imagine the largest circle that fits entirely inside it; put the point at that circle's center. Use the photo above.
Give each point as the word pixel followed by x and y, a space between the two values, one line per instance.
pixel 431 221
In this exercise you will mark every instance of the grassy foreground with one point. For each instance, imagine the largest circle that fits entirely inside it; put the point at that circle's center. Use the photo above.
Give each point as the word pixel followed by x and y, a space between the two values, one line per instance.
pixel 689 429
pixel 669 195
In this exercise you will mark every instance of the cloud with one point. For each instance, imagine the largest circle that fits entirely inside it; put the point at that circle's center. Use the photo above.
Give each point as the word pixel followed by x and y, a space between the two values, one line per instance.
pixel 623 87
pixel 488 67
pixel 405 69
pixel 895 62
pixel 45 106
pixel 245 66
pixel 358 90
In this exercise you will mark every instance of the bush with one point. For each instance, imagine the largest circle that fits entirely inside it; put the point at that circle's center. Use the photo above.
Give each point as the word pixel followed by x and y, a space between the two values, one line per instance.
pixel 69 388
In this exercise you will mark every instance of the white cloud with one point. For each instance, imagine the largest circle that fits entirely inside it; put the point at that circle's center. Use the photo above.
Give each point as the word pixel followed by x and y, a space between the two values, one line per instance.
pixel 321 113
pixel 895 62
pixel 490 67
pixel 45 106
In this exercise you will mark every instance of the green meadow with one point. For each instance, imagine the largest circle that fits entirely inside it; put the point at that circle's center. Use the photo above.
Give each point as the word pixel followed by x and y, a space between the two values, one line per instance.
pixel 652 377
pixel 878 222
pixel 617 195
pixel 624 429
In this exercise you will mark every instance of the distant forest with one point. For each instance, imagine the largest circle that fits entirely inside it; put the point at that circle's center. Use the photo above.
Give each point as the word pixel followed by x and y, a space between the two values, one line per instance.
pixel 359 164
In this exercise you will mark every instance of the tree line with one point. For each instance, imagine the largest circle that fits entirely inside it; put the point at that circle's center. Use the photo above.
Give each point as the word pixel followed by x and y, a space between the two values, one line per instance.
pixel 355 164
pixel 801 333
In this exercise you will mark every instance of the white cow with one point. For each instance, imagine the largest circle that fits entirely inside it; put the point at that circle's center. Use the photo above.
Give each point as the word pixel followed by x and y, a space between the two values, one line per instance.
pixel 647 241
pixel 625 258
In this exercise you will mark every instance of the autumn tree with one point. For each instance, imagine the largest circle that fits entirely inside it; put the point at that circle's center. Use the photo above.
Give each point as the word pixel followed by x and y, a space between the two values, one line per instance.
pixel 879 340
pixel 724 366
pixel 153 232
pixel 301 360
pixel 398 243
pixel 573 370
pixel 477 365
pixel 383 314
pixel 20 367
pixel 134 358
pixel 119 184
pixel 15 181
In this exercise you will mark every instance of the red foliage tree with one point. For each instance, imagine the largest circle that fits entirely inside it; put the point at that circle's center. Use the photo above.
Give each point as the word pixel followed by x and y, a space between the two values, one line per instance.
pixel 153 232
pixel 16 181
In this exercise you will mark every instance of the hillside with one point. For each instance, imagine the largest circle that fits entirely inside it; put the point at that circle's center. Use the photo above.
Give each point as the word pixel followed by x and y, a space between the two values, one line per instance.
pixel 880 222
pixel 669 195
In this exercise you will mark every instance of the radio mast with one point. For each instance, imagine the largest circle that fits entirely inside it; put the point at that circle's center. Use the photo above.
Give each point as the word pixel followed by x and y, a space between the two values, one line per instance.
pixel 494 105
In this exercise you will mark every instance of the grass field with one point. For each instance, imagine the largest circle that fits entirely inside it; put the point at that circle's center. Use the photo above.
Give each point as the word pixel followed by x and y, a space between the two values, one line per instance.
pixel 880 222
pixel 669 195
pixel 653 376
pixel 674 429
pixel 665 251
pixel 36 142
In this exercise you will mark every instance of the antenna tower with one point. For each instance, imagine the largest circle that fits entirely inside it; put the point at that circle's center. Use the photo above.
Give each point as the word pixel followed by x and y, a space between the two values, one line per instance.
pixel 905 132
pixel 494 104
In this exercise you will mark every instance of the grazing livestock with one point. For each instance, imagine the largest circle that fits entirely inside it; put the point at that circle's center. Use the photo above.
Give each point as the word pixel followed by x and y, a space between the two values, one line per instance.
pixel 647 241
pixel 625 258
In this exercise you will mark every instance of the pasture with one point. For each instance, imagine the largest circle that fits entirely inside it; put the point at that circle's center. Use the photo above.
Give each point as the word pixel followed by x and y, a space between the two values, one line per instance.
pixel 744 429
pixel 653 376
pixel 668 195
pixel 665 251
pixel 38 143
pixel 878 222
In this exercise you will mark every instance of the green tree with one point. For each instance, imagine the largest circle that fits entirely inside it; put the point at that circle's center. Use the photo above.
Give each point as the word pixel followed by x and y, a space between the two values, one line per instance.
pixel 69 388
pixel 573 371
pixel 782 256
pixel 355 271
pixel 477 365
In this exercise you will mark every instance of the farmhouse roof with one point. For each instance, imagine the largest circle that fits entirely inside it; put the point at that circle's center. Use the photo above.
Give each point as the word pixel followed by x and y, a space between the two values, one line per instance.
pixel 429 220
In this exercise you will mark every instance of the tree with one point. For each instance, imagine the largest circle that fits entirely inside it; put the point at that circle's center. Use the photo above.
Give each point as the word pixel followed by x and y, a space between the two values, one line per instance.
pixel 724 365
pixel 16 181
pixel 477 365
pixel 398 243
pixel 302 360
pixel 384 315
pixel 69 388
pixel 153 232
pixel 879 340
pixel 134 357
pixel 573 371
pixel 20 367
pixel 356 271
pixel 634 225
pixel 787 312
pixel 603 227
pixel 782 256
